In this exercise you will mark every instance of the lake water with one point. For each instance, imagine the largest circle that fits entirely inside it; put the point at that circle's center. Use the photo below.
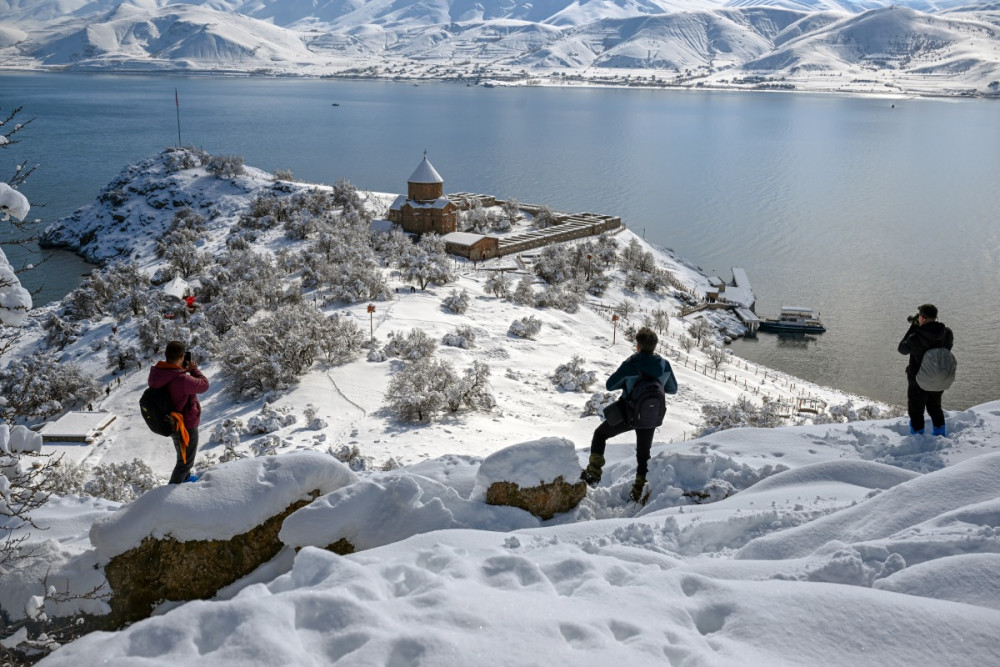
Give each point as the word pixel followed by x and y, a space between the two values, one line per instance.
pixel 862 208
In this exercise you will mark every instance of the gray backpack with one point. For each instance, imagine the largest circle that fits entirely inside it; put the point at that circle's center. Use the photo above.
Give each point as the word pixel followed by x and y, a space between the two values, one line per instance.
pixel 937 369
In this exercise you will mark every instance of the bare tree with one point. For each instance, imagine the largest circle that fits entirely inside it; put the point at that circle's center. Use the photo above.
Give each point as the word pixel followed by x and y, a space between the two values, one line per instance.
pixel 717 356
pixel 701 329
pixel 659 321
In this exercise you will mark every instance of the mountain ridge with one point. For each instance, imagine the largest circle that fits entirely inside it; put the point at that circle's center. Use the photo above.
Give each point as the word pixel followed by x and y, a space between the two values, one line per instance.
pixel 943 48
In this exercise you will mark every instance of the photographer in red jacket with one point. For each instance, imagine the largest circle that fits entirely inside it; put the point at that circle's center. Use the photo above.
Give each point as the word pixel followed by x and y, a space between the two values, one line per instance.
pixel 179 373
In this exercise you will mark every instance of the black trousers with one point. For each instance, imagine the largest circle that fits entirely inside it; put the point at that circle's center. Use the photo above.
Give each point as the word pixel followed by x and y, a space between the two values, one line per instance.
pixel 183 470
pixel 643 442
pixel 917 400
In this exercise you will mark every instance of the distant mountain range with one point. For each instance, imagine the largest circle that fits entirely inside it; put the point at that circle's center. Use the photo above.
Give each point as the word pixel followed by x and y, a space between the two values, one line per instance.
pixel 918 47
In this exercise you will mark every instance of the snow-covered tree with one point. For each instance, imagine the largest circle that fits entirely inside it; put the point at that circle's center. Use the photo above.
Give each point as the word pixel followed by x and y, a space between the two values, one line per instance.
pixel 544 218
pixel 411 346
pixel 121 356
pixel 477 219
pixel 719 417
pixel 419 391
pixel 717 356
pixel 463 337
pixel 456 302
pixel 498 284
pixel 512 210
pixel 571 376
pixel 15 301
pixel 225 166
pixel 701 330
pixel 472 390
pixel 268 353
pixel 60 332
pixel 524 293
pixel 526 327
pixel 563 297
pixel 427 262
pixel 40 385
pixel 658 321
pixel 23 488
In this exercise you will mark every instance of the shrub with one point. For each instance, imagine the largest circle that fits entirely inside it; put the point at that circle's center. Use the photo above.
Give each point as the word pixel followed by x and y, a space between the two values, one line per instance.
pixel 463 337
pixel 121 482
pixel 410 347
pixel 225 166
pixel 457 302
pixel 498 284
pixel 40 385
pixel 526 327
pixel 572 377
pixel 269 353
pixel 720 417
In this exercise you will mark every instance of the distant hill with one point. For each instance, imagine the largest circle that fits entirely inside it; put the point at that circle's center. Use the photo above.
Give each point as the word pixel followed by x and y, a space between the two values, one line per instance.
pixel 916 47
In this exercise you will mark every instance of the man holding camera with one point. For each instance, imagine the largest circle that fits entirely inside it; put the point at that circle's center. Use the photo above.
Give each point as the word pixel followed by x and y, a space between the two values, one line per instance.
pixel 925 333
pixel 180 374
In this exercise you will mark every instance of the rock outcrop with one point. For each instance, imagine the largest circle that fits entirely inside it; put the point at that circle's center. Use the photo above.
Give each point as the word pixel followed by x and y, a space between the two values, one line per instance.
pixel 544 500
pixel 162 570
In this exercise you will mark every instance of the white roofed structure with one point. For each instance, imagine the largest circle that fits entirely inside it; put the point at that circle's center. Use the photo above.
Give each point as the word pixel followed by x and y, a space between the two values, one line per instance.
pixel 425 173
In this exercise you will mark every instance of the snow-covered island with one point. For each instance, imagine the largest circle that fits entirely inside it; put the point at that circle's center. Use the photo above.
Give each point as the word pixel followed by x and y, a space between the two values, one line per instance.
pixel 913 47
pixel 356 420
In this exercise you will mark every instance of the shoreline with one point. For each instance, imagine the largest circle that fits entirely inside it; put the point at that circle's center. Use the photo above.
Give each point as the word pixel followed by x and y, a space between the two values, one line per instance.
pixel 546 80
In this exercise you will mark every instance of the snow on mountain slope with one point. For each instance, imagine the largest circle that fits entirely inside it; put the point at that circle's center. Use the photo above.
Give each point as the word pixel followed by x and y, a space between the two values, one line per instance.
pixel 791 44
pixel 190 35
pixel 896 38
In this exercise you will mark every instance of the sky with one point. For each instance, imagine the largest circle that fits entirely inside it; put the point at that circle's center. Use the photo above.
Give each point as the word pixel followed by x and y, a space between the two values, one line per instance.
pixel 828 543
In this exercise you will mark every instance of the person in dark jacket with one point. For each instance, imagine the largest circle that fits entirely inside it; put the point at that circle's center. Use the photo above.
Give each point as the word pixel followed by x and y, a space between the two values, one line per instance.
pixel 645 361
pixel 925 333
pixel 180 374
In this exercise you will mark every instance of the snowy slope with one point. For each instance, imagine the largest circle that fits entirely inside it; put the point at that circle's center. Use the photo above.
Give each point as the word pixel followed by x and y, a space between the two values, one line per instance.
pixel 188 37
pixel 825 543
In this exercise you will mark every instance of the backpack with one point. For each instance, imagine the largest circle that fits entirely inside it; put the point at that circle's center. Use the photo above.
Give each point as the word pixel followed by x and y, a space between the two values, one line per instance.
pixel 647 403
pixel 937 369
pixel 156 406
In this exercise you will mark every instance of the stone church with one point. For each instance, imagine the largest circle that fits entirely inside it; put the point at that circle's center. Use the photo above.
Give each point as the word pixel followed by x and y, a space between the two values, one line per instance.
pixel 425 208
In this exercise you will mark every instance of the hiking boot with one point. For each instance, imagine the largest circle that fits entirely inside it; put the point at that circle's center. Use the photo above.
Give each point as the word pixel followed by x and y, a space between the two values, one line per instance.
pixel 192 478
pixel 637 487
pixel 939 430
pixel 916 431
pixel 592 473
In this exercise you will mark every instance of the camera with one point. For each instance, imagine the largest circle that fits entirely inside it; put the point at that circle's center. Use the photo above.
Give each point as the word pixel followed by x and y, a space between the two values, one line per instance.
pixel 188 358
pixel 914 319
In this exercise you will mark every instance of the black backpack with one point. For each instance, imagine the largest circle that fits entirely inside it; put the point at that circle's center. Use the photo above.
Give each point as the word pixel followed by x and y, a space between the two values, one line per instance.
pixel 156 406
pixel 647 403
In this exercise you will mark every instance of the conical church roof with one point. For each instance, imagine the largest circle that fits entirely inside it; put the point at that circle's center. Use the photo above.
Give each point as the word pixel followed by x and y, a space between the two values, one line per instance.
pixel 425 173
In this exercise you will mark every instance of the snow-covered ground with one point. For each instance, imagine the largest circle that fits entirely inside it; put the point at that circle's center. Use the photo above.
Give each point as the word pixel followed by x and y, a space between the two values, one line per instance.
pixel 838 544
pixel 923 48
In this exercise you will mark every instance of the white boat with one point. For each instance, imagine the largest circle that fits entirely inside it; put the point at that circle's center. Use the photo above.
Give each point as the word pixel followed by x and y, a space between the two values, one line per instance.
pixel 793 319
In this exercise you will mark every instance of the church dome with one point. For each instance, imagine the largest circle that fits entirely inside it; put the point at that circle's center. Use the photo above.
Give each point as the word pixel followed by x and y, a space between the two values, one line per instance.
pixel 425 173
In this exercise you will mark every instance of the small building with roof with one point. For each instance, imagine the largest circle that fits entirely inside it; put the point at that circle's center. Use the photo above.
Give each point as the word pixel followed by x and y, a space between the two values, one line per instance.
pixel 471 246
pixel 424 208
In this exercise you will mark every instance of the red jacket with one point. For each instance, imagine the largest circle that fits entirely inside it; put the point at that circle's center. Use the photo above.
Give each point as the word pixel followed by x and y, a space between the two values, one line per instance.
pixel 184 386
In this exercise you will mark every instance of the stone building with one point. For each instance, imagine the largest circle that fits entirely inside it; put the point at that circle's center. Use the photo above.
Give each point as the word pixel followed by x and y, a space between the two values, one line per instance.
pixel 425 208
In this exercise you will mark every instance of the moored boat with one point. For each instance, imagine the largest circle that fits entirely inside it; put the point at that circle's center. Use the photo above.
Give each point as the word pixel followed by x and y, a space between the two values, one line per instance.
pixel 793 319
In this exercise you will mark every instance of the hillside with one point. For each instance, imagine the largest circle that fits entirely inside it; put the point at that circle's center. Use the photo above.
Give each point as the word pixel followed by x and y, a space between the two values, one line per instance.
pixel 821 542
pixel 920 48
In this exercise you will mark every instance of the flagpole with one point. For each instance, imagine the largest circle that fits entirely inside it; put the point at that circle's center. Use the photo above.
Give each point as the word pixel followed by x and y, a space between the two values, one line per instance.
pixel 177 103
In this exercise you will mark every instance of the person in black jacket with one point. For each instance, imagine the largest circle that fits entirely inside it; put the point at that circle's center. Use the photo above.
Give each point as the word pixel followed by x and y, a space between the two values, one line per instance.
pixel 925 333
pixel 645 361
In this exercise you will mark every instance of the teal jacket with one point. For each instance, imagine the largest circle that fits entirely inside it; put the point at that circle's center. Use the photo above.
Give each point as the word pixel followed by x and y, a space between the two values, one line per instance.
pixel 639 364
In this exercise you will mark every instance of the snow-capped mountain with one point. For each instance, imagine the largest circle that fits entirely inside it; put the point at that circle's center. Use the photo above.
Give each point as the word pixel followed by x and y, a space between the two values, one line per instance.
pixel 918 47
